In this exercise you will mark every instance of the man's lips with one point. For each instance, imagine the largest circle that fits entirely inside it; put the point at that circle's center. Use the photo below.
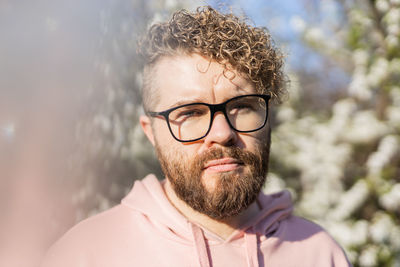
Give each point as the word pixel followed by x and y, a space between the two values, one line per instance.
pixel 222 165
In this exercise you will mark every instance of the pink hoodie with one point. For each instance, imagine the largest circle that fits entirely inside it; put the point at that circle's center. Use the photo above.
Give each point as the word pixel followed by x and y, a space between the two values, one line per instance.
pixel 146 230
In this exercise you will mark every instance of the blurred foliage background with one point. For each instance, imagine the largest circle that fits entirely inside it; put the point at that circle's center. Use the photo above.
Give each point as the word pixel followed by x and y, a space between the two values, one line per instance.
pixel 69 107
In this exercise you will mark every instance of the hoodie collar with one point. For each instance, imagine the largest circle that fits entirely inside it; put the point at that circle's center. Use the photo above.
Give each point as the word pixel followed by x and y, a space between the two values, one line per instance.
pixel 148 197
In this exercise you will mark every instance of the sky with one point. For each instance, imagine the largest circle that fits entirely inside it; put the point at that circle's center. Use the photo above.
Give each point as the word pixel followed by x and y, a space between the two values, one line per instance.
pixel 280 16
pixel 276 15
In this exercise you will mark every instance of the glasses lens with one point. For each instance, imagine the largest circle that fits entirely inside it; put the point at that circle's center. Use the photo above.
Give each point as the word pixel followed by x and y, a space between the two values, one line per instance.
pixel 190 122
pixel 247 113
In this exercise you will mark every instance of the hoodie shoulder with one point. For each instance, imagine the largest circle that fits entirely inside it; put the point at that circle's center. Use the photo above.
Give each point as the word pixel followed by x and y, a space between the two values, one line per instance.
pixel 123 235
pixel 111 226
pixel 92 236
pixel 298 238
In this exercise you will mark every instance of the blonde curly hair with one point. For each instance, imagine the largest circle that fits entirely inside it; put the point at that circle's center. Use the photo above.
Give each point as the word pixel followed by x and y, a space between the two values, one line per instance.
pixel 223 38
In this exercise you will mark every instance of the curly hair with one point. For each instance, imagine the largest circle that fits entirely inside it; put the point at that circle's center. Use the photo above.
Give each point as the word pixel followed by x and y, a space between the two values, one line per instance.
pixel 223 38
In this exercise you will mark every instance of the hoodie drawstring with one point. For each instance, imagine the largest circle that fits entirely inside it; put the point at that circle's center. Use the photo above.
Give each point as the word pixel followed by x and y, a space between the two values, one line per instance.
pixel 250 240
pixel 200 246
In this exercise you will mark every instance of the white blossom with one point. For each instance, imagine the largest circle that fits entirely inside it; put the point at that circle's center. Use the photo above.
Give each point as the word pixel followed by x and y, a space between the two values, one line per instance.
pixel 394 29
pixel 360 57
pixel 273 184
pixel 342 112
pixel 364 128
pixel 382 5
pixel 352 255
pixel 393 115
pixel 136 137
pixel 118 135
pixel 369 256
pixel 375 37
pixel 395 237
pixel 103 122
pixel 391 200
pixel 139 79
pixel 348 234
pixel 380 228
pixel 350 201
pixel 297 24
pixel 314 35
pixel 157 18
pixel 286 113
pixel 388 147
pixel 393 16
pixel 392 41
pixel 359 87
pixel 129 108
pixel 104 203
pixel 395 96
pixel 329 9
pixel 394 68
pixel 358 17
pixel 170 4
pixel 295 90
pixel 314 203
pixel 378 72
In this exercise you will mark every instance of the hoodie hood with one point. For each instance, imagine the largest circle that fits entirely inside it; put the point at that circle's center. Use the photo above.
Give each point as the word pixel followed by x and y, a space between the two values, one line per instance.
pixel 147 230
pixel 149 198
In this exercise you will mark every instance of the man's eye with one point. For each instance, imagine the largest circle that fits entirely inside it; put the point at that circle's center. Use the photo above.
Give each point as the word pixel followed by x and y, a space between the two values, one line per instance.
pixel 243 107
pixel 191 113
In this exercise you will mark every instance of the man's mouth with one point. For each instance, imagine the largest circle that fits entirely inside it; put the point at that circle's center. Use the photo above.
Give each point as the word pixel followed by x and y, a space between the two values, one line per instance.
pixel 222 165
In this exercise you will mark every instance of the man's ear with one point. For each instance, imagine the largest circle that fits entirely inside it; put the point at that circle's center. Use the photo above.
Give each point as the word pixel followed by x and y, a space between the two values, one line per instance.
pixel 146 126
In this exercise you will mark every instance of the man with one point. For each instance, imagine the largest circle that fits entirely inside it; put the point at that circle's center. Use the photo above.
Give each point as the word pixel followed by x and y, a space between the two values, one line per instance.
pixel 207 83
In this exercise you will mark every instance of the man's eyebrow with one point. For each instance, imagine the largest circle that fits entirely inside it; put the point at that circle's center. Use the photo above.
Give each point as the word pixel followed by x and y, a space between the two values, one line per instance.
pixel 186 101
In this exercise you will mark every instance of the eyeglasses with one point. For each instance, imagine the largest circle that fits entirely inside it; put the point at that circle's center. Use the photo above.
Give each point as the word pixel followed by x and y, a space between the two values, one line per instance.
pixel 192 122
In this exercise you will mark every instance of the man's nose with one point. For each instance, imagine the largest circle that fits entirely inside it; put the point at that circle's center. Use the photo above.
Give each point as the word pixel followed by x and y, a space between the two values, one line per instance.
pixel 220 132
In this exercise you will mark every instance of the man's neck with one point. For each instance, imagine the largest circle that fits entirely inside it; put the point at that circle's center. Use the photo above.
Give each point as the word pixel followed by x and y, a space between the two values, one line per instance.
pixel 221 228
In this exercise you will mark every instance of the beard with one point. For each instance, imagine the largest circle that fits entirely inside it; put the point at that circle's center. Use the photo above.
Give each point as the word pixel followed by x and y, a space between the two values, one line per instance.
pixel 233 192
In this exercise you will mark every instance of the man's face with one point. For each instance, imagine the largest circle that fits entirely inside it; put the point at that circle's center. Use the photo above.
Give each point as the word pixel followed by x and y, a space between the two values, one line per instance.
pixel 221 174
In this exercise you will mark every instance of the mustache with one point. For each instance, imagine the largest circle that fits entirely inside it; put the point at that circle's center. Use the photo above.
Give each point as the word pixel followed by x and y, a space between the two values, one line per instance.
pixel 243 156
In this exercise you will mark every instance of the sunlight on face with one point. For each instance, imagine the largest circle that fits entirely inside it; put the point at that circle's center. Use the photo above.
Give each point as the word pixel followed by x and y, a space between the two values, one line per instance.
pixel 222 173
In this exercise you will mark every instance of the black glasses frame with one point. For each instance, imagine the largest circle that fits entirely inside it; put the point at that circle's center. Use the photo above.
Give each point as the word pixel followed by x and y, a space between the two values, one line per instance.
pixel 214 108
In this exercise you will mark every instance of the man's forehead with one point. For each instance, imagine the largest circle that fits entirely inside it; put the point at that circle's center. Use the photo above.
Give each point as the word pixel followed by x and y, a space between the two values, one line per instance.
pixel 191 74
pixel 199 63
